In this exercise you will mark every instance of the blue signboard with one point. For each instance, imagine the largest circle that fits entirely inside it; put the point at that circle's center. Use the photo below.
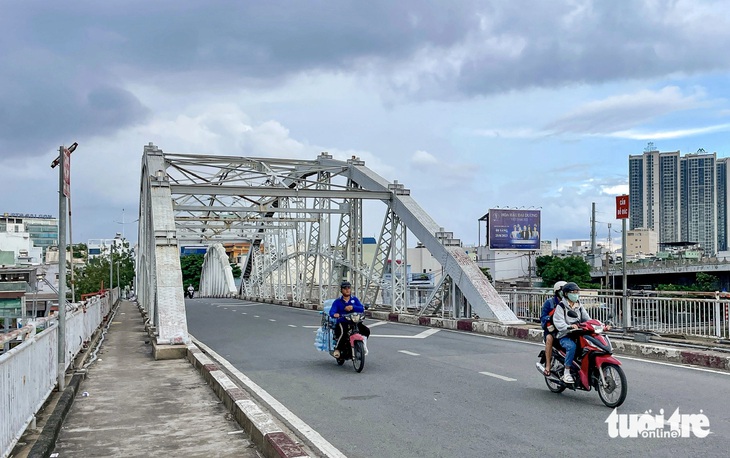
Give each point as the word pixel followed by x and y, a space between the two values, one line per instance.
pixel 514 229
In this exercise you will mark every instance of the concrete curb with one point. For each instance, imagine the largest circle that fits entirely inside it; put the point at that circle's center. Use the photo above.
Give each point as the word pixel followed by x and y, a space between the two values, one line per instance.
pixel 259 425
pixel 46 442
pixel 704 358
pixel 710 359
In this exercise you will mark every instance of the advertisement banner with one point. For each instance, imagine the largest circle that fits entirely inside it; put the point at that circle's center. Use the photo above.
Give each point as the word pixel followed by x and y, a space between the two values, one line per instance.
pixel 514 229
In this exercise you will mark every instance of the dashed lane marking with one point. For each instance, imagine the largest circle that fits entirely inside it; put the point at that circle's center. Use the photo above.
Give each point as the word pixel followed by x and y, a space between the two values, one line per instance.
pixel 501 377
pixel 408 353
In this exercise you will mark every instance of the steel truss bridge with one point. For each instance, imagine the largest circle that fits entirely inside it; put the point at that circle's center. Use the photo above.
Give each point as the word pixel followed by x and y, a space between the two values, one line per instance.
pixel 302 222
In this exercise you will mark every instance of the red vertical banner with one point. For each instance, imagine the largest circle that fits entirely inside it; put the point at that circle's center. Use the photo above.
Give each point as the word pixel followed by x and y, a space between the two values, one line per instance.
pixel 622 207
pixel 66 172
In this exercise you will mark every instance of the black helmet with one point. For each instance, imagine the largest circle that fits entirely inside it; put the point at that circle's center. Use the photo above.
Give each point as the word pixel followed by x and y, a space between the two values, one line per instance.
pixel 570 287
pixel 345 284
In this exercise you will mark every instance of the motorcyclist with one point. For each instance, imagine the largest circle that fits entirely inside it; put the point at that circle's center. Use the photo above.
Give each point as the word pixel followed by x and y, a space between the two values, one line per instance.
pixel 347 303
pixel 564 323
pixel 547 327
pixel 190 291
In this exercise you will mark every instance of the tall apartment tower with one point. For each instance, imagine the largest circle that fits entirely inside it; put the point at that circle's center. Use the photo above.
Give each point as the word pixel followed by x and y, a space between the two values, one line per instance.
pixel 654 190
pixel 683 199
pixel 723 194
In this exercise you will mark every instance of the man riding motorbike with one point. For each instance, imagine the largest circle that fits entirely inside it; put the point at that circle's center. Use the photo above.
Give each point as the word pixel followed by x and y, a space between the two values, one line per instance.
pixel 547 325
pixel 564 323
pixel 347 303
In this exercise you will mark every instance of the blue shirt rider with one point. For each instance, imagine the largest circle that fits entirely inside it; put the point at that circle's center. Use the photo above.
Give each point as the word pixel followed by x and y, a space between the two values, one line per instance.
pixel 549 334
pixel 347 303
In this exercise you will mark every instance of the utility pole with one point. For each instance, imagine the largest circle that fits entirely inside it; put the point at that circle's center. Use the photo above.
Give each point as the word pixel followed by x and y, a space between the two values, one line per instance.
pixel 64 186
pixel 593 230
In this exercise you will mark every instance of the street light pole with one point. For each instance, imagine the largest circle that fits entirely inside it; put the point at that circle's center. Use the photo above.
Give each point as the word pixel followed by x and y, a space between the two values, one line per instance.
pixel 61 270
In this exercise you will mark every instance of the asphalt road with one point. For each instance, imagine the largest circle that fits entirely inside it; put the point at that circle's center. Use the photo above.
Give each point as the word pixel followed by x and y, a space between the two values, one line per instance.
pixel 424 393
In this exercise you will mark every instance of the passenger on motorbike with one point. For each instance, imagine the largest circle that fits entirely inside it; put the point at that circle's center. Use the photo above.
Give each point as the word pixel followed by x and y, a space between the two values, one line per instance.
pixel 564 323
pixel 347 303
pixel 548 327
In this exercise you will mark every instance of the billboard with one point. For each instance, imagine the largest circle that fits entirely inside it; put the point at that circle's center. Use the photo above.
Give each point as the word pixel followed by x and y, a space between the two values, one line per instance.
pixel 514 229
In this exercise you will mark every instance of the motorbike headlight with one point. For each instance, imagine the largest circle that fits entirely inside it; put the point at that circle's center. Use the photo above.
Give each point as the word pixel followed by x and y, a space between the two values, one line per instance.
pixel 598 329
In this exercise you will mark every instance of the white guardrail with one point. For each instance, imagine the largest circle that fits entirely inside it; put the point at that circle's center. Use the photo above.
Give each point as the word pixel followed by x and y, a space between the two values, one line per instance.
pixel 28 372
pixel 690 314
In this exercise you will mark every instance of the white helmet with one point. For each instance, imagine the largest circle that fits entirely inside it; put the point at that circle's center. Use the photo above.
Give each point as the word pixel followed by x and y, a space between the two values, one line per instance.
pixel 558 286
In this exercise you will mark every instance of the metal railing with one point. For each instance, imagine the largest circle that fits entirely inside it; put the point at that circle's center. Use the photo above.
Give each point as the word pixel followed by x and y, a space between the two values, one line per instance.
pixel 687 313
pixel 28 372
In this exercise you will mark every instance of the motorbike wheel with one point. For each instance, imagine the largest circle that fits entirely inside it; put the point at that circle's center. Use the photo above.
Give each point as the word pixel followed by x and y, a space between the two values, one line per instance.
pixel 554 386
pixel 614 393
pixel 358 359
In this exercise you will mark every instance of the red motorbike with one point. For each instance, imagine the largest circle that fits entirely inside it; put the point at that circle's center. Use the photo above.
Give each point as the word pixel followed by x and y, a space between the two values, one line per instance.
pixel 356 350
pixel 594 364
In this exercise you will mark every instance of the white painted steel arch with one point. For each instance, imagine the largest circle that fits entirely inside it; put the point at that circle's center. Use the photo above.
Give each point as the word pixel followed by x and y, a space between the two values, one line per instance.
pixel 216 277
pixel 298 226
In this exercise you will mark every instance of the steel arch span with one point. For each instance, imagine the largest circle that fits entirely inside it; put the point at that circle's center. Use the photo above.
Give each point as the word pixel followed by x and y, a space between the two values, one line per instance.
pixel 298 227
pixel 216 276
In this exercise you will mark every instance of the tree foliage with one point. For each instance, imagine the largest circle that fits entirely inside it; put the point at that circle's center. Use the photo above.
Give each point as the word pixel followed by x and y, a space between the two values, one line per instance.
pixel 95 274
pixel 192 265
pixel 573 268
pixel 703 282
pixel 485 271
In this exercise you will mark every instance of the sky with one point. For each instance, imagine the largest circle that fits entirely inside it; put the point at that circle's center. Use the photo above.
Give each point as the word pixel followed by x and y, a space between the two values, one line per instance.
pixel 471 105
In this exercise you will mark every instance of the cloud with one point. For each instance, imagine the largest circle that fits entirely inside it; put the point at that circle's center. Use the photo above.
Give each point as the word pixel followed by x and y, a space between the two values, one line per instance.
pixel 620 112
pixel 420 158
pixel 670 134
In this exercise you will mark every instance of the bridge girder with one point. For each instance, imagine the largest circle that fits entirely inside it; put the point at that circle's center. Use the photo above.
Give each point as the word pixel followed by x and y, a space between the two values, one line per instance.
pixel 282 208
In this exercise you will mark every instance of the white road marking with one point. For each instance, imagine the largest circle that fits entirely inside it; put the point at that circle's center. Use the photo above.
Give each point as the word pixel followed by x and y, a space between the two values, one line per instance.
pixel 408 352
pixel 377 323
pixel 236 432
pixel 422 335
pixel 244 313
pixel 501 377
pixel 312 327
pixel 292 326
pixel 256 316
pixel 234 305
pixel 270 319
pixel 304 429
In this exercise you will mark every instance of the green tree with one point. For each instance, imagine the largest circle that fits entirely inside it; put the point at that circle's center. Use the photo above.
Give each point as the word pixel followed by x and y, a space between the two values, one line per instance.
pixel 572 268
pixel 236 269
pixel 191 266
pixel 485 271
pixel 541 262
pixel 95 274
pixel 706 282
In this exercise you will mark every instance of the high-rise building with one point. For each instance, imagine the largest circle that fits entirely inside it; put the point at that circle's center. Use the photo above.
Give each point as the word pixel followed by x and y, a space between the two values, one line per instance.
pixel 683 199
pixel 42 229
pixel 699 200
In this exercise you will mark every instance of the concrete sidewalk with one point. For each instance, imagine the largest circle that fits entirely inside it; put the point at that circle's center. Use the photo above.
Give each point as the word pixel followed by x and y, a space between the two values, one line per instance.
pixel 131 405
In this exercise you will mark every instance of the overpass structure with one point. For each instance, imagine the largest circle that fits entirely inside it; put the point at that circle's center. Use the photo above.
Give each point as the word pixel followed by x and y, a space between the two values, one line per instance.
pixel 302 222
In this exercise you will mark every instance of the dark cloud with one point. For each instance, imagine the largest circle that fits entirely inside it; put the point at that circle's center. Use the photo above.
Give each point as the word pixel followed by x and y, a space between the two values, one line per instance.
pixel 68 67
